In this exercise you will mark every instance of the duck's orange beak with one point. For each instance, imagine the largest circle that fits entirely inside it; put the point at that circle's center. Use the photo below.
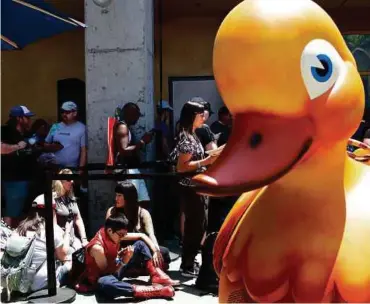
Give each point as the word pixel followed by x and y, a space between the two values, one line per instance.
pixel 262 148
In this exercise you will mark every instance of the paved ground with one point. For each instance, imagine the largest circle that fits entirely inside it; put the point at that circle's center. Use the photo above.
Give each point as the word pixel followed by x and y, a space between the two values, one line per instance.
pixel 186 293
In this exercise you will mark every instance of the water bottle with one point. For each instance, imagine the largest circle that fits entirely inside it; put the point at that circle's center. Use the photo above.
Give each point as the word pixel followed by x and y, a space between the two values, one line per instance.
pixel 27 277
pixel 32 140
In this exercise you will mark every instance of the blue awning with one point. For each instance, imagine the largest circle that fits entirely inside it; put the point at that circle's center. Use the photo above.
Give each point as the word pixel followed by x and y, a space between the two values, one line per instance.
pixel 24 22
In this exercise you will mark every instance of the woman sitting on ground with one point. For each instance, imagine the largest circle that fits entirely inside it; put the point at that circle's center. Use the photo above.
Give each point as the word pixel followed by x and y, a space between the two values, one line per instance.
pixel 67 210
pixel 33 225
pixel 140 221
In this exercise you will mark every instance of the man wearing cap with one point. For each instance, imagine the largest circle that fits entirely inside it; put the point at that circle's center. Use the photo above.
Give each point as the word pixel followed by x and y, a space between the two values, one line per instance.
pixel 67 139
pixel 17 166
pixel 162 130
pixel 163 198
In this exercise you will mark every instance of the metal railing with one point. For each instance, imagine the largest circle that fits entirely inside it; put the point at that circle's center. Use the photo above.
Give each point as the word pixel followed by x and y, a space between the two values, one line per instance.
pixel 50 174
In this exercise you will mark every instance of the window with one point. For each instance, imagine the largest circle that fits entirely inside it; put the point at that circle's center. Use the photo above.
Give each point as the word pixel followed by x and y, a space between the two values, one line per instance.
pixel 359 45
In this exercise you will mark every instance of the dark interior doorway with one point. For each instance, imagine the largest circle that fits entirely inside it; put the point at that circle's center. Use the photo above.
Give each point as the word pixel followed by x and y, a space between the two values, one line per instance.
pixel 72 89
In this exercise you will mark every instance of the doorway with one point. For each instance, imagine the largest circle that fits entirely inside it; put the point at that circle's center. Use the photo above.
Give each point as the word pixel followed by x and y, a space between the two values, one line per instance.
pixel 72 89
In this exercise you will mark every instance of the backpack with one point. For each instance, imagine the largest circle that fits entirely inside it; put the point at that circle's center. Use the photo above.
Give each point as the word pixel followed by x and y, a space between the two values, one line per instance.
pixel 17 270
pixel 78 266
pixel 207 279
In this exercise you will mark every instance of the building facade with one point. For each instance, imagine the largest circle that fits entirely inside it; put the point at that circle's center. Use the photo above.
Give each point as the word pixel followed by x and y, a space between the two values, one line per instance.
pixel 128 52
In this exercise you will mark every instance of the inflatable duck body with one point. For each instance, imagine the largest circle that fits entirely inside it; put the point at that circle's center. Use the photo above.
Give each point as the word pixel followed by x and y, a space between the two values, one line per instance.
pixel 301 230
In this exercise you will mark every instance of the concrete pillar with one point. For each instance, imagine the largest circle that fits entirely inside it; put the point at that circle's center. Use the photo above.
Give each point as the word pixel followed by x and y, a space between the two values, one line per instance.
pixel 119 69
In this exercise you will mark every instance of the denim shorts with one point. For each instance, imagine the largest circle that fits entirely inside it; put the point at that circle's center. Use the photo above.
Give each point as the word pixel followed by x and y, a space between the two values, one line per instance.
pixel 15 194
pixel 139 184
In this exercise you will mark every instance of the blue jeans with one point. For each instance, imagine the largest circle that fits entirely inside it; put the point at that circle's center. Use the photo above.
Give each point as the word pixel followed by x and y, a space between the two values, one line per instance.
pixel 62 277
pixel 141 255
pixel 140 186
pixel 111 286
pixel 15 195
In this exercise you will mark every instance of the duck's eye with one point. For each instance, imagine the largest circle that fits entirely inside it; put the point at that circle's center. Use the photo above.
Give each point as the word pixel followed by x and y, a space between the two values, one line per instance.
pixel 323 73
pixel 320 66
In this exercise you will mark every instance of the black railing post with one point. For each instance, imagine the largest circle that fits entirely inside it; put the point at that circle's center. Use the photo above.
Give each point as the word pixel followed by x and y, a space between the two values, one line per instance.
pixel 49 225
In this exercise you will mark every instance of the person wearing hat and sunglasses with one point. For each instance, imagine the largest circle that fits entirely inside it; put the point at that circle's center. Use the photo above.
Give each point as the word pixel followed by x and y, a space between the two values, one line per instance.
pixel 67 139
pixel 34 225
pixel 17 166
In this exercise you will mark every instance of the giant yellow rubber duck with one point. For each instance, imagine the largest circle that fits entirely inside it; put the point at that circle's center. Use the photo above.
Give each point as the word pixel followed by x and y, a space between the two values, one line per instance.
pixel 301 230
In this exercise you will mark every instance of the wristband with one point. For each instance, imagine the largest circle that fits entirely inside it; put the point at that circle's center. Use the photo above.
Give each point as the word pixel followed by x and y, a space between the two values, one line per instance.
pixel 198 164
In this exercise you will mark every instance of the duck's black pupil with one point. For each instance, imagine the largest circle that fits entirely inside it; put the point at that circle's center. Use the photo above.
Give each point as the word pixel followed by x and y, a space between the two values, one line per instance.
pixel 324 71
pixel 255 140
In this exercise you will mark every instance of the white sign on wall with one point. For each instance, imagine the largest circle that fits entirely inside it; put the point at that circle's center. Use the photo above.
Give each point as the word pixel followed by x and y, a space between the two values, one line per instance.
pixel 182 89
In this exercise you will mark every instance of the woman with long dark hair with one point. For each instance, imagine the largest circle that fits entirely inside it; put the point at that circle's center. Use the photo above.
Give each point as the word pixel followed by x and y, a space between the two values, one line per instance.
pixel 140 221
pixel 34 226
pixel 189 157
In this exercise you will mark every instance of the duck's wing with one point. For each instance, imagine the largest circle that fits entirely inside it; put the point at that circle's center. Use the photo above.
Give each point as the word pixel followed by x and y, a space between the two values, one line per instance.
pixel 352 268
pixel 222 244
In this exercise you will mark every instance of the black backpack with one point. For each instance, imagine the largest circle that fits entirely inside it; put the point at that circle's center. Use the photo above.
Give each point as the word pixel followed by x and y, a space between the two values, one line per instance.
pixel 207 279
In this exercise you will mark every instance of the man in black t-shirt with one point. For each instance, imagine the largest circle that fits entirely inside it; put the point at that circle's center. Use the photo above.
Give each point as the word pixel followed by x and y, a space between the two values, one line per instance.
pixel 222 126
pixel 18 164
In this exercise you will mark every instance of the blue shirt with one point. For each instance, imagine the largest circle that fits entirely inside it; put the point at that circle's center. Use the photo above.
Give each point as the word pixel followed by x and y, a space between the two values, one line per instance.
pixel 72 137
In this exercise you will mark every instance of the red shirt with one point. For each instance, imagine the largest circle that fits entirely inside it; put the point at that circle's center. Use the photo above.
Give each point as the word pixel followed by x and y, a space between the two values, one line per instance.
pixel 93 272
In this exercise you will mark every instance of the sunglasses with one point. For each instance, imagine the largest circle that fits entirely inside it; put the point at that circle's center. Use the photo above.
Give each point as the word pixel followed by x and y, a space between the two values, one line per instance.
pixel 67 112
pixel 121 235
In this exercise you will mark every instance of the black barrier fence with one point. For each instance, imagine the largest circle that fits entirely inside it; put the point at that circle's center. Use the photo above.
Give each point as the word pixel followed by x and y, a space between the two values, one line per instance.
pixel 50 174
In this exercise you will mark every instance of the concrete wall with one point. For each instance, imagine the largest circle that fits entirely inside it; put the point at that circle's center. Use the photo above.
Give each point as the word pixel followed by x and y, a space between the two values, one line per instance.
pixel 119 69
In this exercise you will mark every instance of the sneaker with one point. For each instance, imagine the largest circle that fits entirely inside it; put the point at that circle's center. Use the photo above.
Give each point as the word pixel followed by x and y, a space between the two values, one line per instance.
pixel 190 272
pixel 196 266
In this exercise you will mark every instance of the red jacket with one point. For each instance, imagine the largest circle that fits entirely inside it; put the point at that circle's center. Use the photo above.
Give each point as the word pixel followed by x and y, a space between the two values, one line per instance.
pixel 93 273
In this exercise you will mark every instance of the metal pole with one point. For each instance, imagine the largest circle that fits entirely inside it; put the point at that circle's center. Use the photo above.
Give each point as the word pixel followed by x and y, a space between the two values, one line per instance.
pixel 49 225
pixel 160 46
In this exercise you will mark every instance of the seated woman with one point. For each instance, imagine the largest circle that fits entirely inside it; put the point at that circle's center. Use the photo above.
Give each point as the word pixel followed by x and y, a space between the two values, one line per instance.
pixel 35 224
pixel 67 210
pixel 140 221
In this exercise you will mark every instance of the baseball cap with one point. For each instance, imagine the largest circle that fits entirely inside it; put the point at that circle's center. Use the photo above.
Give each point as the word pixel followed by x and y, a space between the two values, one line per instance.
pixel 20 111
pixel 164 105
pixel 39 202
pixel 69 106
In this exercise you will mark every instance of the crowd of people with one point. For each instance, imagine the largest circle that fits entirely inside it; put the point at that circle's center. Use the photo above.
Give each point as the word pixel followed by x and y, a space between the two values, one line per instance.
pixel 127 245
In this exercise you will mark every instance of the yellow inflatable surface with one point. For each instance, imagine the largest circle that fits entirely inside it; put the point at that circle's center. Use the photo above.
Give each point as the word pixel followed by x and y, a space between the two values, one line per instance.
pixel 301 230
